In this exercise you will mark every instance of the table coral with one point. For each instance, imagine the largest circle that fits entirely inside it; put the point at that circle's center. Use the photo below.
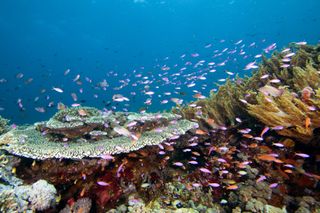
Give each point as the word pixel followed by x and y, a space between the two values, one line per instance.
pixel 37 146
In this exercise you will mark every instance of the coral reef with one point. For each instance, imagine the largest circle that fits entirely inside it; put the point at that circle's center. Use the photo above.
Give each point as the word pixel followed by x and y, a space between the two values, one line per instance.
pixel 82 205
pixel 276 95
pixel 8 165
pixel 3 125
pixel 250 151
pixel 38 196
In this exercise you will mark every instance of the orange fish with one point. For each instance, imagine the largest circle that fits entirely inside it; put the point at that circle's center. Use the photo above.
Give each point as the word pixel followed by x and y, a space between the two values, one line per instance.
pixel 210 121
pixel 199 96
pixel 278 161
pixel 266 129
pixel 82 112
pixel 253 145
pixel 265 149
pixel 82 192
pixel 232 187
pixel 201 132
pixel 307 122
pixel 247 136
pixel 266 157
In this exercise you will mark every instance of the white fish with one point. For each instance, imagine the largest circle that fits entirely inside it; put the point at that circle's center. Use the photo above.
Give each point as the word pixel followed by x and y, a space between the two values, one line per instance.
pixel 302 155
pixel 285 50
pixel 215 185
pixel 76 78
pixel 57 89
pixel 149 93
pixel 193 162
pixel 122 131
pixel 178 164
pixel 289 55
pixel 275 80
pixel 40 109
pixel 66 72
pixel 191 85
pixel 131 123
pixel 119 98
pixel 251 65
pixel 301 43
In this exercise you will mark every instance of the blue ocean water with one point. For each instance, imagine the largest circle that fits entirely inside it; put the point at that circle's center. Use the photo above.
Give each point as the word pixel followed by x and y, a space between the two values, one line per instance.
pixel 136 46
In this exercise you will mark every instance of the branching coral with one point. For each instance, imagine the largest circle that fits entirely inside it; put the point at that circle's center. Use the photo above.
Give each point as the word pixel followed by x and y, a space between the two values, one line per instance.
pixel 287 111
pixel 3 125
pixel 297 109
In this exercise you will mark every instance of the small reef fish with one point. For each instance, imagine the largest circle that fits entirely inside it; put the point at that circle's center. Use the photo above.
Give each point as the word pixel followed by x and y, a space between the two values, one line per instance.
pixel 119 98
pixel 102 183
pixel 215 185
pixel 232 187
pixel 57 89
pixel 273 185
pixel 123 131
pixel 82 112
pixel 107 157
pixel 302 155
pixel 264 131
pixel 261 178
pixel 178 164
pixel 205 170
pixel 251 65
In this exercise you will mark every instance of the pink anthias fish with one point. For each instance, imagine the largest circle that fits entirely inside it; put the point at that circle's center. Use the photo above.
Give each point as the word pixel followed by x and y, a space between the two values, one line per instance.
pixel 107 157
pixel 120 169
pixel 40 109
pixel 251 65
pixel 270 48
pixel 178 164
pixel 302 155
pixel 261 178
pixel 102 183
pixel 205 170
pixel 193 162
pixel 214 185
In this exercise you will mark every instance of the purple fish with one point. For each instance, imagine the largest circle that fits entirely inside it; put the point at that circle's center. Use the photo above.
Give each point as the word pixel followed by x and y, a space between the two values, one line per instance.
pixel 205 170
